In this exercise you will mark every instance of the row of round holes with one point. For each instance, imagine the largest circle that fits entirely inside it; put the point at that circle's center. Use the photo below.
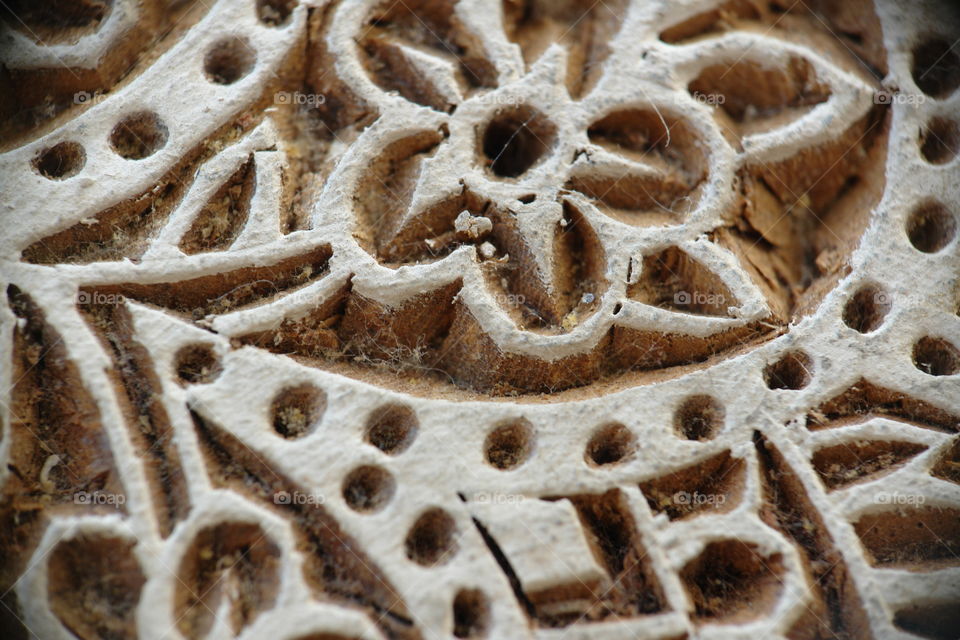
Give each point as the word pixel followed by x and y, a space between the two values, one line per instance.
pixel 866 311
pixel 930 228
pixel 432 539
pixel 936 70
pixel 296 411
pixel 142 134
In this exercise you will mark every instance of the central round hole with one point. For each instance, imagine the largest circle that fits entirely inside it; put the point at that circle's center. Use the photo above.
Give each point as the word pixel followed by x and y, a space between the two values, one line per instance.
pixel 516 139
pixel 229 60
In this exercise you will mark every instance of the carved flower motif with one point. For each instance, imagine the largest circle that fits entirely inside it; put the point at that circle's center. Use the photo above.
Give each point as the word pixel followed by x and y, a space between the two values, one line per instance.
pixel 524 208
pixel 683 195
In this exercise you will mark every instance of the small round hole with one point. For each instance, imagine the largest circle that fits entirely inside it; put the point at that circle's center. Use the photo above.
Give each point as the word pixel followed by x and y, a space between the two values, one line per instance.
pixel 791 372
pixel 699 417
pixel 229 60
pixel 510 444
pixel 392 428
pixel 866 309
pixel 297 410
pixel 936 68
pixel 471 614
pixel 610 444
pixel 138 136
pixel 368 488
pixel 940 141
pixel 931 227
pixel 197 364
pixel 275 12
pixel 432 538
pixel 516 139
pixel 60 161
pixel 936 356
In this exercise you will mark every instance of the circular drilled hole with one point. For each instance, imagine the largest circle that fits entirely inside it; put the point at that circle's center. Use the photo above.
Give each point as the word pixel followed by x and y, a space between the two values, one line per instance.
pixel 792 371
pixel 936 356
pixel 931 227
pixel 866 310
pixel 60 161
pixel 139 135
pixel 610 444
pixel 936 68
pixel 432 538
pixel 392 428
pixel 471 614
pixel 940 141
pixel 699 417
pixel 229 60
pixel 516 139
pixel 275 12
pixel 509 445
pixel 297 410
pixel 368 488
pixel 197 364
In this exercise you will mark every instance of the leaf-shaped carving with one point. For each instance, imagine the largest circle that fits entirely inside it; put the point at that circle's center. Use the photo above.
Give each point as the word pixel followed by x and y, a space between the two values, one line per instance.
pixel 138 390
pixel 123 230
pixel 59 450
pixel 230 567
pixel 919 538
pixel 836 609
pixel 219 223
pixel 843 464
pixel 711 485
pixel 719 579
pixel 223 292
pixel 421 49
pixel 864 400
pixel 584 28
pixel 728 15
pixel 384 196
pixel 642 162
pixel 671 279
pixel 94 586
pixel 757 98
